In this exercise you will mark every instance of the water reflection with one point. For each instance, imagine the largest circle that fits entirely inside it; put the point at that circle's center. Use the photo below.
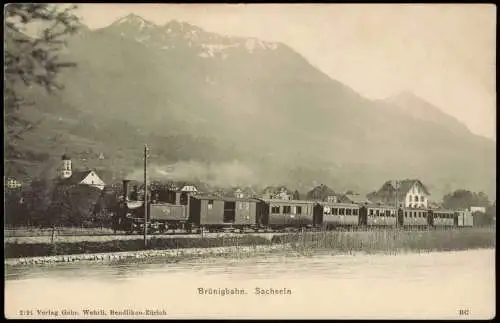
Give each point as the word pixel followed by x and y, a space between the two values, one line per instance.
pixel 321 264
pixel 423 284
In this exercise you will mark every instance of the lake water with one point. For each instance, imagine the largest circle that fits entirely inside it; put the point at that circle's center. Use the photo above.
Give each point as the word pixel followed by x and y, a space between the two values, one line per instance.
pixel 442 285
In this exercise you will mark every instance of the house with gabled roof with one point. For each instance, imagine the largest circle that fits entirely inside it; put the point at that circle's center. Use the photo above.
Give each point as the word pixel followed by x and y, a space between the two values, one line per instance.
pixel 243 192
pixel 410 193
pixel 279 193
pixel 322 193
pixel 354 199
pixel 12 183
pixel 79 177
pixel 189 188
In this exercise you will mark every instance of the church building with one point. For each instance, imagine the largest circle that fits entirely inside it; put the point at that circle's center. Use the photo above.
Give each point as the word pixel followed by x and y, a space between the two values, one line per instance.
pixel 78 177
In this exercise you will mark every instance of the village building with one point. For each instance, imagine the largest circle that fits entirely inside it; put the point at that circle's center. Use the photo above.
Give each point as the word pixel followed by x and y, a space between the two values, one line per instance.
pixel 243 192
pixel 12 183
pixel 411 193
pixel 480 209
pixel 322 193
pixel 434 205
pixel 238 193
pixel 277 193
pixel 354 199
pixel 79 177
pixel 190 189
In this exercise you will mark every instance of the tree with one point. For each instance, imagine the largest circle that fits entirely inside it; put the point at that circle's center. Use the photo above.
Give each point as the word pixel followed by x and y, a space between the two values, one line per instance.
pixel 296 195
pixel 481 199
pixel 13 208
pixel 73 205
pixel 464 199
pixel 106 205
pixel 38 197
pixel 30 61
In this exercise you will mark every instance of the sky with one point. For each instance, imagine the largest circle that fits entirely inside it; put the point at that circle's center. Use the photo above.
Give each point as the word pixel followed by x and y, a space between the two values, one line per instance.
pixel 444 53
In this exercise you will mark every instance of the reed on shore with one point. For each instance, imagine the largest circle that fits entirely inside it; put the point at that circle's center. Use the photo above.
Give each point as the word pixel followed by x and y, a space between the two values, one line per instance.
pixel 387 241
pixel 392 240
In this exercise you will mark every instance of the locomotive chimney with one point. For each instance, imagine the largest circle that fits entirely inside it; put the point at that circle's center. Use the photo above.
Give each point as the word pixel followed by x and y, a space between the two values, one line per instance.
pixel 125 189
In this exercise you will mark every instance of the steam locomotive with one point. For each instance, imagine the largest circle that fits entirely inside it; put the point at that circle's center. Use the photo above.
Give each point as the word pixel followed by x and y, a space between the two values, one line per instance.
pixel 170 210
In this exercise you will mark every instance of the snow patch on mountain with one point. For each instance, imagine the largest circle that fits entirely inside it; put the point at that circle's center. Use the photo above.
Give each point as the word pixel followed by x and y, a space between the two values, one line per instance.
pixel 174 33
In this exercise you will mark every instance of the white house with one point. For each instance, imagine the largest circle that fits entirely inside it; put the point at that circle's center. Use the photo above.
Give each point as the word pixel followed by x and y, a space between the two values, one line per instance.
pixel 280 193
pixel 415 194
pixel 238 193
pixel 12 183
pixel 84 177
pixel 481 209
pixel 283 194
pixel 411 193
pixel 189 188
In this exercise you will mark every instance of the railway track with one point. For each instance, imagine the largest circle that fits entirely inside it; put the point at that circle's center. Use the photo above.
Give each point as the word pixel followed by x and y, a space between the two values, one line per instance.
pixel 114 237
pixel 66 237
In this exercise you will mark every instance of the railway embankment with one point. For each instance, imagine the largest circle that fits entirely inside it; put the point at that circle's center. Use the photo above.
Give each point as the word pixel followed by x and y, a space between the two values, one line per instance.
pixel 385 241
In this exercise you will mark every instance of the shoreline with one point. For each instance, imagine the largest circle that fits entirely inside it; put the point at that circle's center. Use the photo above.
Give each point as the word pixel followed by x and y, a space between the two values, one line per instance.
pixel 171 254
pixel 385 242
pixel 196 253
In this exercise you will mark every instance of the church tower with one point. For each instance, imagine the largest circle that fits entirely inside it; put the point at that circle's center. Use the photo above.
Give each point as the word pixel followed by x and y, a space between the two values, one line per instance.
pixel 65 171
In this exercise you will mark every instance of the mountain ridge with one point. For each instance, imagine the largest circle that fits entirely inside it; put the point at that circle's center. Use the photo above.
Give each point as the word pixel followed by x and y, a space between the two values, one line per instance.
pixel 256 99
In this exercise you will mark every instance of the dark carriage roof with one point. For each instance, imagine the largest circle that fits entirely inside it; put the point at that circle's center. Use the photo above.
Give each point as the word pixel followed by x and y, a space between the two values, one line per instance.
pixel 380 206
pixel 164 204
pixel 414 209
pixel 276 201
pixel 443 211
pixel 223 198
pixel 333 204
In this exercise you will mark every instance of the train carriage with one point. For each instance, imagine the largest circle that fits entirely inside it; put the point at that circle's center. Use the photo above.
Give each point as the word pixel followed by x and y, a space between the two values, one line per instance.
pixel 169 209
pixel 378 216
pixel 286 213
pixel 444 218
pixel 465 218
pixel 216 213
pixel 165 216
pixel 332 215
pixel 415 217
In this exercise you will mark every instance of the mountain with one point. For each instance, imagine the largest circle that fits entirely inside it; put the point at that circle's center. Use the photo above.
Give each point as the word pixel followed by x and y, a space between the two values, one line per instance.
pixel 418 108
pixel 256 110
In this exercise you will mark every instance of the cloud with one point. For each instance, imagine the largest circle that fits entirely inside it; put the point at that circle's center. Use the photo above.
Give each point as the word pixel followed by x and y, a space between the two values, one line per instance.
pixel 226 174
